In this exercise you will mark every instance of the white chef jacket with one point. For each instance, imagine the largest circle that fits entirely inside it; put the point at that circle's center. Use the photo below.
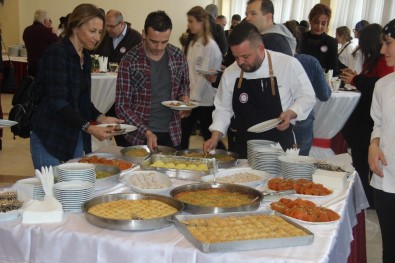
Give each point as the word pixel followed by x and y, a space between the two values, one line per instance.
pixel 382 112
pixel 296 92
pixel 205 57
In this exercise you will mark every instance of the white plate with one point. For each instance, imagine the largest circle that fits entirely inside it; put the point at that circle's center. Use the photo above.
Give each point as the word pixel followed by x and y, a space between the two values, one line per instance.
pixel 264 126
pixel 183 106
pixel 207 72
pixel 126 127
pixel 7 123
pixel 264 176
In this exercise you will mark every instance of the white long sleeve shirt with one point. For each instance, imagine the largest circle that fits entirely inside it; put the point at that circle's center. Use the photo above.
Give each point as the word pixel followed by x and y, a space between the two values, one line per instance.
pixel 204 57
pixel 345 56
pixel 382 112
pixel 296 92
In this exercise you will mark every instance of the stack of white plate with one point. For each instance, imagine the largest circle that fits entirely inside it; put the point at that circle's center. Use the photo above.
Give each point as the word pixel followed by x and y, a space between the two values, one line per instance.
pixel 263 157
pixel 31 186
pixel 72 194
pixel 297 167
pixel 76 171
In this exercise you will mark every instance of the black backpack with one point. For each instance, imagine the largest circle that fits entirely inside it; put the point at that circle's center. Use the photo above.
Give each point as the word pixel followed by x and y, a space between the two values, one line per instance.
pixel 24 104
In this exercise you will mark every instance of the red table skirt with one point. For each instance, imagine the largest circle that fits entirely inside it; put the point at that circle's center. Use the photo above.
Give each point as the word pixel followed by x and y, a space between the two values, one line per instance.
pixel 20 71
pixel 337 143
pixel 358 245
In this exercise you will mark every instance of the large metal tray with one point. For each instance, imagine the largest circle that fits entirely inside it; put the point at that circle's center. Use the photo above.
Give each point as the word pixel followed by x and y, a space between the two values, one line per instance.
pixel 221 164
pixel 256 197
pixel 165 150
pixel 175 173
pixel 244 244
pixel 135 224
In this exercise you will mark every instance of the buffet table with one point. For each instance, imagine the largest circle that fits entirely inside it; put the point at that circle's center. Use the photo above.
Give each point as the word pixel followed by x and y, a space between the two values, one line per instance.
pixel 330 117
pixel 20 66
pixel 103 96
pixel 76 240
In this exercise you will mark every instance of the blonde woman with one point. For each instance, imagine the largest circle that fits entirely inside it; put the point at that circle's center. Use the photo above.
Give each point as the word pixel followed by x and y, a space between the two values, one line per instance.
pixel 203 54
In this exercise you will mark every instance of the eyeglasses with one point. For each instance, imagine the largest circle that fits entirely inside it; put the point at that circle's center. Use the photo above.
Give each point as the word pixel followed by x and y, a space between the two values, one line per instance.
pixel 113 26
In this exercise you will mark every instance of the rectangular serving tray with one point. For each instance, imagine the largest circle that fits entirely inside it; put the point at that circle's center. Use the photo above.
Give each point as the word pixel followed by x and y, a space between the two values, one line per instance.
pixel 243 244
pixel 192 175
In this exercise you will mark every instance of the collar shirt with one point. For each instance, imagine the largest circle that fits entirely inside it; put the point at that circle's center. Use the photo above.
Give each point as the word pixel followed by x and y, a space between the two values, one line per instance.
pixel 117 40
pixel 296 91
pixel 203 57
pixel 345 52
pixel 383 106
pixel 133 93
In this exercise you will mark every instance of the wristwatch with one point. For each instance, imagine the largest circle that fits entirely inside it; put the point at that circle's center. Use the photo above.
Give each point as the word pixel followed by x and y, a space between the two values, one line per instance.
pixel 85 127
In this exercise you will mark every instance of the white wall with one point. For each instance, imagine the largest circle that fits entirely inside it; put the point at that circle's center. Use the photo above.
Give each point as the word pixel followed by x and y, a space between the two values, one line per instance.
pixel 134 11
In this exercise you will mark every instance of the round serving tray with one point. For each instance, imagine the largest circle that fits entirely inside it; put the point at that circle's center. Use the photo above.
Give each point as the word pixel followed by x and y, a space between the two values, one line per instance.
pixel 107 182
pixel 221 164
pixel 256 198
pixel 135 224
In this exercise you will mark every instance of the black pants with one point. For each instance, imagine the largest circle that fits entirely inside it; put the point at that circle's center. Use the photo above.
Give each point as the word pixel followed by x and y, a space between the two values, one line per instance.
pixel 204 116
pixel 384 204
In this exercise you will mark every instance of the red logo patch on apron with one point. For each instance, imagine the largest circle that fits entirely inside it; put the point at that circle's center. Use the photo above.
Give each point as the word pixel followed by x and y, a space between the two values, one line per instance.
pixel 122 50
pixel 324 49
pixel 243 97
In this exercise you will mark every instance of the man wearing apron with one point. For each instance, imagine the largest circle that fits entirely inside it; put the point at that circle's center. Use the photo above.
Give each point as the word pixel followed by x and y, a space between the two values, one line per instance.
pixel 260 86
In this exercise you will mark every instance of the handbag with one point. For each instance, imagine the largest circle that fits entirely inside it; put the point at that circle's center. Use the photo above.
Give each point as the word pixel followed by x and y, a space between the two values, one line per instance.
pixel 9 80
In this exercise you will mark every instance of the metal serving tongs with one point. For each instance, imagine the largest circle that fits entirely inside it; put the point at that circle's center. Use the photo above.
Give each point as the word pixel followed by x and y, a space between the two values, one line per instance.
pixel 285 192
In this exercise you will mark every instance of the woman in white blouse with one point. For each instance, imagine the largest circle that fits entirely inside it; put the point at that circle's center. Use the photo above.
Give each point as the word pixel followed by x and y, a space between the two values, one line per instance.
pixel 348 44
pixel 382 147
pixel 203 55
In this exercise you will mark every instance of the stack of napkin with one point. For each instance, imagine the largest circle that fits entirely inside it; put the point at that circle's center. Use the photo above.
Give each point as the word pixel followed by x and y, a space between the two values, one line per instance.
pixel 47 211
pixel 103 64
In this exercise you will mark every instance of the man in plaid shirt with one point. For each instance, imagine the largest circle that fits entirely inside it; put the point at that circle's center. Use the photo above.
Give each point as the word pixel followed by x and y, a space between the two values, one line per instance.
pixel 152 72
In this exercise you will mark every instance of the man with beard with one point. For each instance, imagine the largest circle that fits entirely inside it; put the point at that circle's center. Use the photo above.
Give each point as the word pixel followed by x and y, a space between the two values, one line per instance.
pixel 260 86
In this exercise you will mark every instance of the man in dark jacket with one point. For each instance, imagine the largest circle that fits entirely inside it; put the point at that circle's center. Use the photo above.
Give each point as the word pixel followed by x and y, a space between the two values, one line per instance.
pixel 120 38
pixel 37 38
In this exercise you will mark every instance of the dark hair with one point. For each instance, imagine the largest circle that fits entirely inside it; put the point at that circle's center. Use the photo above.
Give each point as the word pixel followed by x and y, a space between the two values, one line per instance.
pixel 266 6
pixel 294 28
pixel 202 16
pixel 370 42
pixel 236 17
pixel 320 9
pixel 221 17
pixel 159 21
pixel 360 25
pixel 305 24
pixel 82 14
pixel 242 32
pixel 345 32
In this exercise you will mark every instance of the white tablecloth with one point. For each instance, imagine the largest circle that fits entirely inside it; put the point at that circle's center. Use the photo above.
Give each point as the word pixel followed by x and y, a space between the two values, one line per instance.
pixel 76 240
pixel 330 117
pixel 103 96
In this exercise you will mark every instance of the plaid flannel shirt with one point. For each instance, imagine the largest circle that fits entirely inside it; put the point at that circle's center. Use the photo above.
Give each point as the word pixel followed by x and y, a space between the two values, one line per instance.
pixel 133 93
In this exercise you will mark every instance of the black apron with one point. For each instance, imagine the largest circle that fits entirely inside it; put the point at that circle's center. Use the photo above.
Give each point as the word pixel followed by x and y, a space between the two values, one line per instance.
pixel 255 101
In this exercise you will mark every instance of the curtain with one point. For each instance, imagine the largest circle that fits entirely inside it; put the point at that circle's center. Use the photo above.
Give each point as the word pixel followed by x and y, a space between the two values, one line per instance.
pixel 348 13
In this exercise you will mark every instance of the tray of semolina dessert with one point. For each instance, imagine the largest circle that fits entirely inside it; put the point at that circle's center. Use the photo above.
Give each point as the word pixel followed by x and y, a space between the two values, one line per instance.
pixel 184 168
pixel 226 159
pixel 239 231
pixel 131 212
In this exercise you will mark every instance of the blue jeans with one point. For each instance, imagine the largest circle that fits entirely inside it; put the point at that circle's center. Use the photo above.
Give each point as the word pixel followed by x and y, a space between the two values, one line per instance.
pixel 41 157
pixel 304 134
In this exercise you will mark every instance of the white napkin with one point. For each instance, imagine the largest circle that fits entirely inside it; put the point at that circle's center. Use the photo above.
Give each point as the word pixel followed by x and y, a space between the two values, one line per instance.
pixel 103 64
pixel 276 146
pixel 292 152
pixel 47 211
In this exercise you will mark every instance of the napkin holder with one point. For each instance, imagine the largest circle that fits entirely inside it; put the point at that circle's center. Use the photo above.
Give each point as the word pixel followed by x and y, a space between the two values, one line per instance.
pixel 49 210
pixel 103 61
pixel 330 179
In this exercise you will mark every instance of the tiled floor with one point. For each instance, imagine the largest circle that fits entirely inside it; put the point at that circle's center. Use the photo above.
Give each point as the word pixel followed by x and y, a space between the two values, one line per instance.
pixel 15 163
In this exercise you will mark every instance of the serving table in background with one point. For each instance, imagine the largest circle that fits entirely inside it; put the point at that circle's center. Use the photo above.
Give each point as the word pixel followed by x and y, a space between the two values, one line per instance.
pixel 330 117
pixel 20 66
pixel 75 240
pixel 103 96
